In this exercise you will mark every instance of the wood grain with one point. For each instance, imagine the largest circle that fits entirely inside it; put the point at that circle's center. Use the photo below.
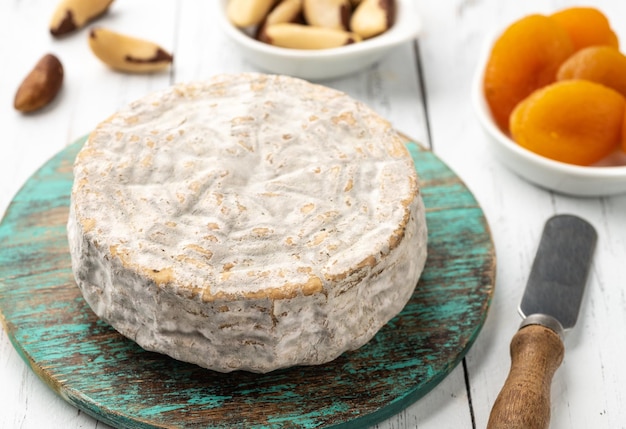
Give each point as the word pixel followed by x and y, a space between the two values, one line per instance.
pixel 108 376
pixel 524 401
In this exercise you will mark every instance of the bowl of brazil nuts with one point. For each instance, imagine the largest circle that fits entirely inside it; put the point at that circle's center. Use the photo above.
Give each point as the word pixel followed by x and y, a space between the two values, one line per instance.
pixel 314 39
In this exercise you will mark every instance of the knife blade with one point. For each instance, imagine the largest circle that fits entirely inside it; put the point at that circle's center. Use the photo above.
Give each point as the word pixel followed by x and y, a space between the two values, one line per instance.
pixel 549 306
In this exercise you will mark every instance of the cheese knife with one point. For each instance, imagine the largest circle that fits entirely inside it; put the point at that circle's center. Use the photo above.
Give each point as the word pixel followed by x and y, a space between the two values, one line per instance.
pixel 549 306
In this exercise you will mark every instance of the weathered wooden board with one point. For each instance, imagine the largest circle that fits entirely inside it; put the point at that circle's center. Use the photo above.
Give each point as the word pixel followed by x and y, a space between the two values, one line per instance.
pixel 102 373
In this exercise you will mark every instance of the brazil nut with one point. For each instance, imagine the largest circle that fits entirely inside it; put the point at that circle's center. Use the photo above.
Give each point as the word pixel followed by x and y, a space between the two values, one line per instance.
pixel 244 13
pixel 285 11
pixel 373 17
pixel 70 15
pixel 126 53
pixel 40 86
pixel 298 36
pixel 328 13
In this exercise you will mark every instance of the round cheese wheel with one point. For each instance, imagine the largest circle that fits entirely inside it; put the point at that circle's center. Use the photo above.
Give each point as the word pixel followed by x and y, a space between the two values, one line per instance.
pixel 247 222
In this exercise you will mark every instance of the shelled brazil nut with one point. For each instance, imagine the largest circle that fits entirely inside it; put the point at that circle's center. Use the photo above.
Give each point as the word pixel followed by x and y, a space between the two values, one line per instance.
pixel 298 36
pixel 333 14
pixel 372 17
pixel 244 13
pixel 287 11
pixel 70 15
pixel 312 24
pixel 127 53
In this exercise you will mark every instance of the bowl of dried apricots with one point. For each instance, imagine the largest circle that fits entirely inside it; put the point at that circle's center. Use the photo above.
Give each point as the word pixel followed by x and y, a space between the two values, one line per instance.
pixel 317 39
pixel 550 92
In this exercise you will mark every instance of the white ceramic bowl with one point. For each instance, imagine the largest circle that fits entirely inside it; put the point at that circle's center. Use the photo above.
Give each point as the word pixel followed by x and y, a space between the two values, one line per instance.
pixel 326 63
pixel 605 178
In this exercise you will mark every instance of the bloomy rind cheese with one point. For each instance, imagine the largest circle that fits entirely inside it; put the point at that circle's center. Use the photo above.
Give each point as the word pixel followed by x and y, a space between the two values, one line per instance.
pixel 250 222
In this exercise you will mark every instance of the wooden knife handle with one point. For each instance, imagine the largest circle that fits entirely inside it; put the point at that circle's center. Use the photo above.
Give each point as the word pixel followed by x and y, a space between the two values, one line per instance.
pixel 524 401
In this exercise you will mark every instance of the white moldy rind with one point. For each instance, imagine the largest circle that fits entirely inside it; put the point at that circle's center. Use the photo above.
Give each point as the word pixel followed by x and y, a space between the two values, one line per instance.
pixel 250 222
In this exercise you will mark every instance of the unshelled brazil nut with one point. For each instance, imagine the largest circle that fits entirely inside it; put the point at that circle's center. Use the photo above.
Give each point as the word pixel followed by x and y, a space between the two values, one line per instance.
pixel 71 15
pixel 373 17
pixel 126 53
pixel 298 36
pixel 40 86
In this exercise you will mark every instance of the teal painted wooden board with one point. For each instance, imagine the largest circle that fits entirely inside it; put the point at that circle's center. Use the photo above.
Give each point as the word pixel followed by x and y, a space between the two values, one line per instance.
pixel 102 373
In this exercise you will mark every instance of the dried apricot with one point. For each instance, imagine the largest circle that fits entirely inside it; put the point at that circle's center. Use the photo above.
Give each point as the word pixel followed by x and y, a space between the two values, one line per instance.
pixel 524 58
pixel 575 121
pixel 586 26
pixel 600 64
pixel 624 134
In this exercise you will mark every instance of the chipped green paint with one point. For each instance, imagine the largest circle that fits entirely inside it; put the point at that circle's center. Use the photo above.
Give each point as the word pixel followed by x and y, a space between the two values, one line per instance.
pixel 97 370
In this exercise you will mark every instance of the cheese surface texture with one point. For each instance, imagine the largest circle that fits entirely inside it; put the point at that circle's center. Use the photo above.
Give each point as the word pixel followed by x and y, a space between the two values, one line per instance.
pixel 247 222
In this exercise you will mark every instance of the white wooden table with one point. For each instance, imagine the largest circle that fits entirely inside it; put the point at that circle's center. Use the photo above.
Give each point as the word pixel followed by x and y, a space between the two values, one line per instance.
pixel 423 88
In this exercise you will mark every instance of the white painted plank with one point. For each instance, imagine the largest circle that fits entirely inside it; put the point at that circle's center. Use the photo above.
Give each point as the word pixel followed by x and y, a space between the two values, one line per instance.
pixel 588 388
